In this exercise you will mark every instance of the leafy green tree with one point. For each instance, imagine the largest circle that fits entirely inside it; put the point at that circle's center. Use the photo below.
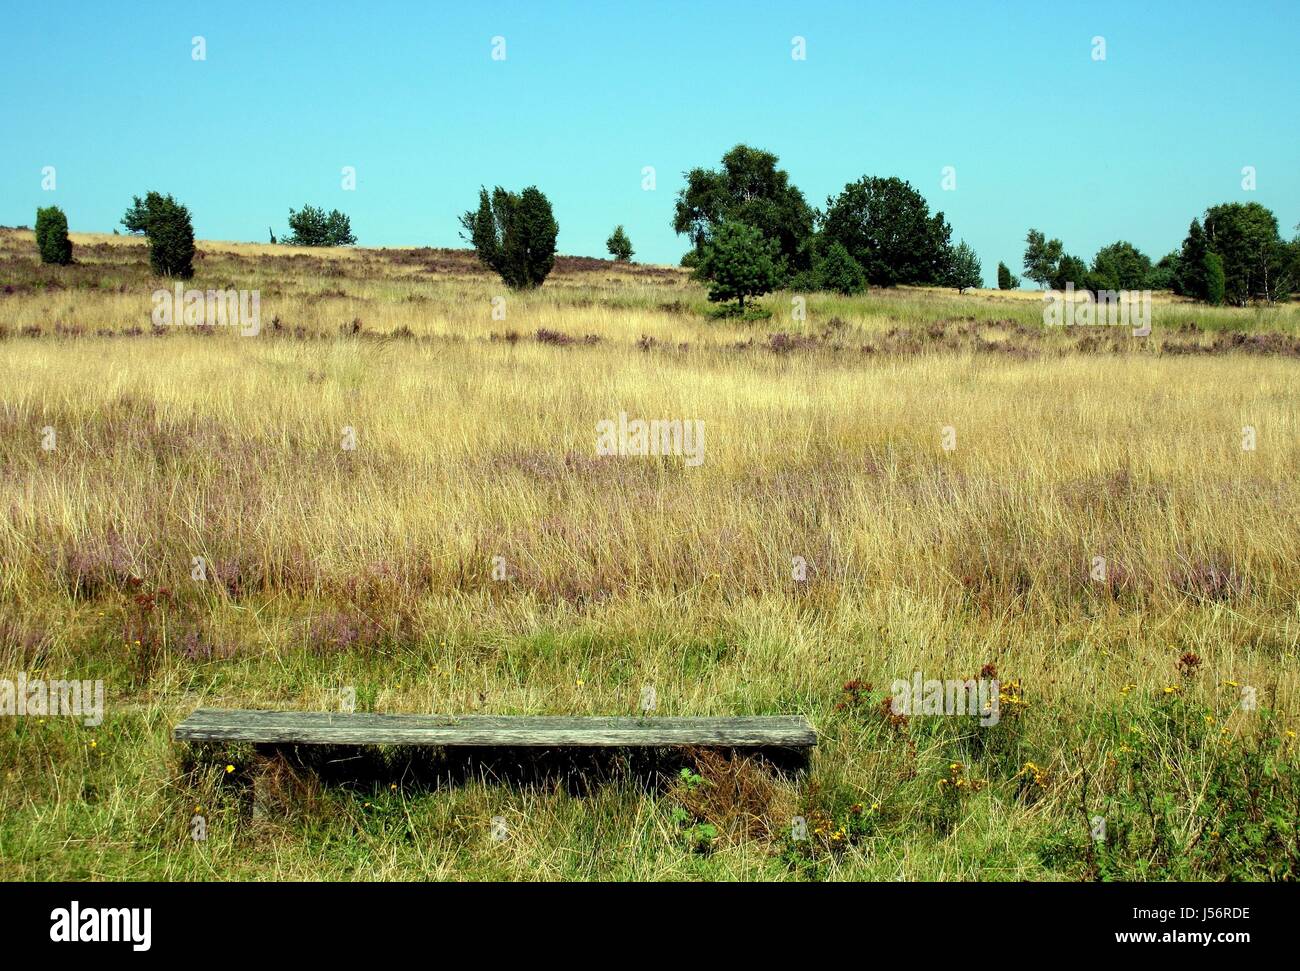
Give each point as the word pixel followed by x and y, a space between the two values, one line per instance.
pixel 749 188
pixel 137 217
pixel 965 271
pixel 738 262
pixel 619 246
pixel 1255 259
pixel 1071 269
pixel 513 234
pixel 1006 280
pixel 166 224
pixel 1042 257
pixel 1215 280
pixel 52 236
pixel 1120 266
pixel 310 226
pixel 886 226
pixel 836 270
pixel 1164 275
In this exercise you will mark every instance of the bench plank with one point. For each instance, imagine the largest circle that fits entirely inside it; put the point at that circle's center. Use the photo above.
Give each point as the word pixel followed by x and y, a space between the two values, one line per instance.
pixel 365 728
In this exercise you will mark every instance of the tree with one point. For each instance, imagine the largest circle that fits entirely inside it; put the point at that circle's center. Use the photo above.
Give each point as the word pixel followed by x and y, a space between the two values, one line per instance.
pixel 1256 263
pixel 887 228
pixel 52 236
pixel 1293 260
pixel 1164 275
pixel 1215 280
pixel 738 262
pixel 836 270
pixel 513 234
pixel 1041 257
pixel 310 226
pixel 1190 281
pixel 619 246
pixel 1006 281
pixel 137 217
pixel 167 225
pixel 1255 258
pixel 1072 270
pixel 965 270
pixel 750 189
pixel 1120 266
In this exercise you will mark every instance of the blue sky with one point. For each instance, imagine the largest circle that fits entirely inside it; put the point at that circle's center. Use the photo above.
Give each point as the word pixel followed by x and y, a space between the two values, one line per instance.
pixel 1040 134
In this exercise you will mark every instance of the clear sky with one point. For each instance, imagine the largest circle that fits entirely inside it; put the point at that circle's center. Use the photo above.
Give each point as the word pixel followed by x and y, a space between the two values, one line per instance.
pixel 1009 94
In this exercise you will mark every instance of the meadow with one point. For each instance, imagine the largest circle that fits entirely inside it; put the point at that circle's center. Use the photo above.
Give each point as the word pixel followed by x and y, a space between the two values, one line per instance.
pixel 947 470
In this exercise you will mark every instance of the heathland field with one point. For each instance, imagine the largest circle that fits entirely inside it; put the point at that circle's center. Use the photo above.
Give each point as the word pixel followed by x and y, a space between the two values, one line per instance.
pixel 392 489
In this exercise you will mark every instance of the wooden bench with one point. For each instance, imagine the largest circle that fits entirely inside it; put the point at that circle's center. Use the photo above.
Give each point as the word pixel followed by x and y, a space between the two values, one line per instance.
pixel 480 731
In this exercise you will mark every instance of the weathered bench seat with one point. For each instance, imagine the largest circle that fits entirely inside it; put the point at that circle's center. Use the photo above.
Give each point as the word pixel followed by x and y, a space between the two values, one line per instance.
pixel 545 731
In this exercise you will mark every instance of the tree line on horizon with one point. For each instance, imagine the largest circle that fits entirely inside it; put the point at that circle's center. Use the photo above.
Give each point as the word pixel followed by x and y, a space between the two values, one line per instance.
pixel 1233 255
pixel 880 232
pixel 752 231
pixel 169 230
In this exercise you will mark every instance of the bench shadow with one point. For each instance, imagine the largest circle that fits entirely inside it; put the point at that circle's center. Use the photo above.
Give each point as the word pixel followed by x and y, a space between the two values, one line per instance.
pixel 577 770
